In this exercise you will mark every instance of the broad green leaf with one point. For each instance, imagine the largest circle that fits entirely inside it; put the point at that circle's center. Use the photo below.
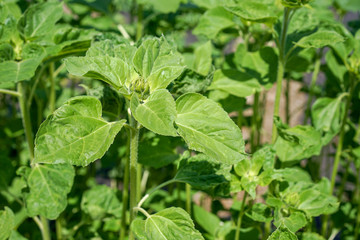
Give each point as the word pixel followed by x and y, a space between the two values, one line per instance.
pixel 202 63
pixel 213 21
pixel 99 201
pixel 13 72
pixel 171 223
pixel 327 115
pixel 75 133
pixel 39 19
pixel 254 11
pixel 207 128
pixel 320 39
pixel 311 236
pixel 294 3
pixel 111 70
pixel 207 220
pixel 157 63
pixel 157 113
pixel 297 143
pixel 203 173
pixel 48 189
pixel 7 223
pixel 282 233
pixel 237 83
pixel 163 6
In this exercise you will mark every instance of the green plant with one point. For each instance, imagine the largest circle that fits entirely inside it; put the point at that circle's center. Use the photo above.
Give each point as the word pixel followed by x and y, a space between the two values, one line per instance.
pixel 134 131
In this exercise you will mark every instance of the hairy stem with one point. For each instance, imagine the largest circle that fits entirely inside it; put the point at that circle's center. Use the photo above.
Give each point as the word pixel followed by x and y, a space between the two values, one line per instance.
pixel 238 225
pixel 125 192
pixel 281 68
pixel 134 142
pixel 25 114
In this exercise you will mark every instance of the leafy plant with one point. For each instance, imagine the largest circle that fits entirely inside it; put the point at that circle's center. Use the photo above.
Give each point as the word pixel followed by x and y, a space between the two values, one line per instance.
pixel 149 120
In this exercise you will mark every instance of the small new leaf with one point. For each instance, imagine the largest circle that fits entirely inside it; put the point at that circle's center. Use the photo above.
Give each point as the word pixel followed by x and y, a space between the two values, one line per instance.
pixel 157 114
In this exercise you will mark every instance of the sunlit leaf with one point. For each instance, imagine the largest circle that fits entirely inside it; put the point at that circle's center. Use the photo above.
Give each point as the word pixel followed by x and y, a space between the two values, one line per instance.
pixel 75 133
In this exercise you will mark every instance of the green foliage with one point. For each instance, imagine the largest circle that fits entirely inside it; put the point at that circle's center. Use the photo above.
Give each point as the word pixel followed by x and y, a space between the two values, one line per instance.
pixel 48 188
pixel 99 201
pixel 7 222
pixel 88 136
pixel 189 76
pixel 213 21
pixel 297 143
pixel 157 114
pixel 170 223
pixel 207 128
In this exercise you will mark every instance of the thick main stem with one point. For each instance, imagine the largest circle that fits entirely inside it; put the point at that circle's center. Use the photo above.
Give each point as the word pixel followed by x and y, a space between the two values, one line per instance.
pixel 125 193
pixel 312 87
pixel 26 120
pixel 238 225
pixel 134 142
pixel 281 68
pixel 25 115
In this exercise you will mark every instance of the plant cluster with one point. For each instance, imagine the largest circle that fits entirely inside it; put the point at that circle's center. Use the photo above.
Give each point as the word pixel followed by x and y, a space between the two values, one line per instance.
pixel 123 119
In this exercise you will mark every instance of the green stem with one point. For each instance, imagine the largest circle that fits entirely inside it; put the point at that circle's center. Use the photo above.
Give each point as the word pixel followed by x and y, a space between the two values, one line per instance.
pixel 281 68
pixel 154 190
pixel 188 198
pixel 138 182
pixel 125 193
pixel 287 101
pixel 134 142
pixel 46 230
pixel 312 87
pixel 139 23
pixel 25 114
pixel 52 96
pixel 238 226
pixel 277 98
pixel 10 92
pixel 58 229
pixel 254 122
pixel 343 180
